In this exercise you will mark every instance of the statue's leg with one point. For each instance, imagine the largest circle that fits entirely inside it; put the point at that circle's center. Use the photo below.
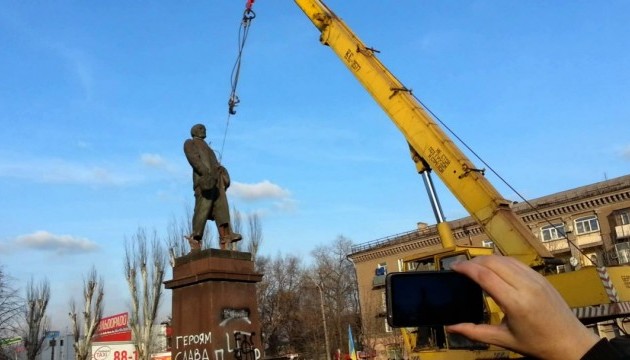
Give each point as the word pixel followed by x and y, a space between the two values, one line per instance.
pixel 200 216
pixel 221 215
pixel 227 236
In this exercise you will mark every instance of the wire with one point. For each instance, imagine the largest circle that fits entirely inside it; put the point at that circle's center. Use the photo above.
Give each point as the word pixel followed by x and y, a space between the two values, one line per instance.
pixel 501 178
pixel 248 16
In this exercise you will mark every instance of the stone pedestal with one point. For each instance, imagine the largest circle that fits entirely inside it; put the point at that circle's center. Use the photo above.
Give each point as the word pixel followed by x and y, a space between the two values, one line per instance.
pixel 215 313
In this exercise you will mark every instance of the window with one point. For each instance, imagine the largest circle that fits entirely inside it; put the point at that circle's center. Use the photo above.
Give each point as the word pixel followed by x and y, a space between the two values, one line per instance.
pixel 586 225
pixel 553 232
pixel 381 269
pixel 487 243
pixel 623 218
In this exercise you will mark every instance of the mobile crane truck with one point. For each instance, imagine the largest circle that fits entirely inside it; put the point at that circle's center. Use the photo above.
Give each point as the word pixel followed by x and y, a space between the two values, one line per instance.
pixel 594 293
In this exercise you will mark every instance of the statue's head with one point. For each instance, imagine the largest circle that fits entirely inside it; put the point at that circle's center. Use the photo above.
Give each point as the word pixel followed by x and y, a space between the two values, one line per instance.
pixel 198 131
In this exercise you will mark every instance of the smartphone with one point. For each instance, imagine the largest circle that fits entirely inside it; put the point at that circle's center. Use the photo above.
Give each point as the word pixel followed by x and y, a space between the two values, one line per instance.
pixel 432 298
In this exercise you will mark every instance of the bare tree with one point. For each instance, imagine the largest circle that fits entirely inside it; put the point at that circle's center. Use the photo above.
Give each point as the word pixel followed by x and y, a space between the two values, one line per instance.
pixel 11 304
pixel 237 225
pixel 175 242
pixel 374 332
pixel 11 307
pixel 337 277
pixel 313 336
pixel 290 301
pixel 144 271
pixel 84 324
pixel 373 327
pixel 37 297
pixel 279 303
pixel 255 234
pixel 177 230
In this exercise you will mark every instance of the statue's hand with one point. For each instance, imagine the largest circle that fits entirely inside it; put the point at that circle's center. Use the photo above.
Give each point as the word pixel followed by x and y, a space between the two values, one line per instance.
pixel 208 182
pixel 225 177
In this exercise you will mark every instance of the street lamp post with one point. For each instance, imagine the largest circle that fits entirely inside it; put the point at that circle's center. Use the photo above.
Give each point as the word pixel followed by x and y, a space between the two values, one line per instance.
pixel 52 343
pixel 321 303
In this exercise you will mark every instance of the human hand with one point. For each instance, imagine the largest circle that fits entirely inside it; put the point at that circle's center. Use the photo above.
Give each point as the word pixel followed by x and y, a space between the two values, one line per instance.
pixel 537 320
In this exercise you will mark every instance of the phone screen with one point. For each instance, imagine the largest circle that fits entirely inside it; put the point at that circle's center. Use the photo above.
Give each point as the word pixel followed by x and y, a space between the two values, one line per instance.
pixel 429 298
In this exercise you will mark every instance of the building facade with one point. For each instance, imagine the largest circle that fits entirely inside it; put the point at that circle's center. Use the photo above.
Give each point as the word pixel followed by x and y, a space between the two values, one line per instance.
pixel 586 226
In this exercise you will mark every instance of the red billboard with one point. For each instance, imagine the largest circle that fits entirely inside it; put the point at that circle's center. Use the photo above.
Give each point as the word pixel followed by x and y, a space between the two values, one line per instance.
pixel 113 328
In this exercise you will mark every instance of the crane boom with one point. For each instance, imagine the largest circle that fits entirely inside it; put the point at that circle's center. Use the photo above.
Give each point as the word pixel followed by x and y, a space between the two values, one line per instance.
pixel 429 141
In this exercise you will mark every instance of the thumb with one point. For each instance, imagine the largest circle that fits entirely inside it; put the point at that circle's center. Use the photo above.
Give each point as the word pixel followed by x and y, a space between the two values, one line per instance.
pixel 489 334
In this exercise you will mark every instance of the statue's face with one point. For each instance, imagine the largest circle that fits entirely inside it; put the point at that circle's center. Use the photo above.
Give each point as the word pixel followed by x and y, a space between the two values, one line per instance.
pixel 198 131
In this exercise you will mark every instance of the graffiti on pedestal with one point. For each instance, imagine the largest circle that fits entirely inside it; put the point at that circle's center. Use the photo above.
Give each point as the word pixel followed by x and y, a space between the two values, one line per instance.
pixel 227 315
pixel 244 346
pixel 238 344
pixel 201 347
pixel 192 347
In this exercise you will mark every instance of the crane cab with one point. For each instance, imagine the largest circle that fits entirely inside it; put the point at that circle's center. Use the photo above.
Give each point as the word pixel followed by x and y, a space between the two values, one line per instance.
pixel 441 259
pixel 434 340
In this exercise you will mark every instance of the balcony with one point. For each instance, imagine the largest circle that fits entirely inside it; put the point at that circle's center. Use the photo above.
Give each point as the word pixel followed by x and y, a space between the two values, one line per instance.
pixel 557 245
pixel 623 252
pixel 589 239
pixel 622 231
pixel 378 281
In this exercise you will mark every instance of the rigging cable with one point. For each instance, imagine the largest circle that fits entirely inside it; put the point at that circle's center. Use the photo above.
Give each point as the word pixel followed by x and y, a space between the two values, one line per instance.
pixel 571 243
pixel 248 16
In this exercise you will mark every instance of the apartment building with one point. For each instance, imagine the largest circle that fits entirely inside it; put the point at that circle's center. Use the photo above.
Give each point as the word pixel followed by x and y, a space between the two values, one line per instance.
pixel 582 226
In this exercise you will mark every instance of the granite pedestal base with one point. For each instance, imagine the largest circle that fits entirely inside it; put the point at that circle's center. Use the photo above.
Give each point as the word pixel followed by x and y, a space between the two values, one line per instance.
pixel 215 312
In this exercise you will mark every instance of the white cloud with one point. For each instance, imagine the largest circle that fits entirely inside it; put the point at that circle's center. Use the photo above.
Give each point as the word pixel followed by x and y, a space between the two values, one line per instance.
pixel 259 191
pixel 159 163
pixel 73 173
pixel 286 205
pixel 68 172
pixel 45 241
pixel 152 160
pixel 57 171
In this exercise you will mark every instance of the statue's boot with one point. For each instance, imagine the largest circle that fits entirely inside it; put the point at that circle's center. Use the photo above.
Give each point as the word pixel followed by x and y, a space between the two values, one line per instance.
pixel 227 236
pixel 195 244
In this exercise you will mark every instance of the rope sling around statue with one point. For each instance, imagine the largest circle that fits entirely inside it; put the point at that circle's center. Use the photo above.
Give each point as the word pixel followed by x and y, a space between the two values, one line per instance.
pixel 248 16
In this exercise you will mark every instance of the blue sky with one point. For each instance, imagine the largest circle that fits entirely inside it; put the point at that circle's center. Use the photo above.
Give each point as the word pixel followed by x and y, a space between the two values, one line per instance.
pixel 96 100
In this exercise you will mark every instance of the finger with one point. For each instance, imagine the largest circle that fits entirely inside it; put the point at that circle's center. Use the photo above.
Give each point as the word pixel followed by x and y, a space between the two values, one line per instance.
pixel 512 271
pixel 494 285
pixel 516 273
pixel 489 334
pixel 509 269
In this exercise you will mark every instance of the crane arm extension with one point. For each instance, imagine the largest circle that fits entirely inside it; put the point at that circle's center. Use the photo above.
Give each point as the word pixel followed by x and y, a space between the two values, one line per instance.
pixel 471 188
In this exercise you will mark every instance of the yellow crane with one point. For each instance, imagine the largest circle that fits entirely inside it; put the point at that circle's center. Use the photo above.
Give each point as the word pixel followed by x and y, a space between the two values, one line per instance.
pixel 594 293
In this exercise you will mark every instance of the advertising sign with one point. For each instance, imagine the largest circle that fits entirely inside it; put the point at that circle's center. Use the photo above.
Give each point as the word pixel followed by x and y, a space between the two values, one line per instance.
pixel 113 323
pixel 111 351
pixel 116 336
pixel 113 328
